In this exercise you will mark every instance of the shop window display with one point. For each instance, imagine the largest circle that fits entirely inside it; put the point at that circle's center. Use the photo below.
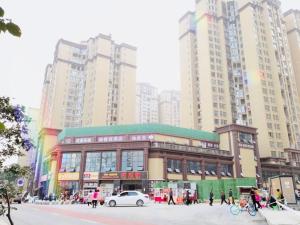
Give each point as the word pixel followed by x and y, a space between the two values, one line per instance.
pixel 132 160
pixel 108 161
pixel 70 162
pixel 93 161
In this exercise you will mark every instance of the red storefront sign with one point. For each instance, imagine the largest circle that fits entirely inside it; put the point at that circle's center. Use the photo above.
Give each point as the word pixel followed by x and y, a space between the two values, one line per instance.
pixel 124 175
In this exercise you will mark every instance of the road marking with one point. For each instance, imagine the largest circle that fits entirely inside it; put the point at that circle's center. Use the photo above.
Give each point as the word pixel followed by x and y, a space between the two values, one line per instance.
pixel 56 214
pixel 89 221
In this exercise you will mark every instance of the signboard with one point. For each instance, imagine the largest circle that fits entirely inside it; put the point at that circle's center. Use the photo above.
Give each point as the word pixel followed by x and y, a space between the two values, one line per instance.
pixel 68 176
pixel 110 176
pixel 20 182
pixel 90 176
pixel 136 175
pixel 242 145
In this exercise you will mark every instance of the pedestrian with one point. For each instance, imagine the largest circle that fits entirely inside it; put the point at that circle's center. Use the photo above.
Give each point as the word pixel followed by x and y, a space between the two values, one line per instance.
pixel 230 197
pixel 95 198
pixel 171 197
pixel 211 198
pixel 223 198
pixel 187 197
pixel 254 198
pixel 195 197
pixel 279 196
pixel 114 192
pixel 257 198
pixel 89 198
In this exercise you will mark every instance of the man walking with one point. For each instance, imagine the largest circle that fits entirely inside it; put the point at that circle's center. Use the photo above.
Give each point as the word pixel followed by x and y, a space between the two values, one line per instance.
pixel 223 198
pixel 230 197
pixel 211 198
pixel 171 197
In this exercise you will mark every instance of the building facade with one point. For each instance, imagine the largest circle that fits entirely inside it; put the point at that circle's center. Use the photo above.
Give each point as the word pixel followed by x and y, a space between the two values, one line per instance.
pixel 89 83
pixel 136 156
pixel 292 20
pixel 146 103
pixel 169 108
pixel 236 68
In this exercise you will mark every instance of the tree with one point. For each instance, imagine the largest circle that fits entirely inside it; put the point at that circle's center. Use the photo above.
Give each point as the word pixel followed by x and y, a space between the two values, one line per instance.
pixel 14 138
pixel 13 130
pixel 9 188
pixel 8 25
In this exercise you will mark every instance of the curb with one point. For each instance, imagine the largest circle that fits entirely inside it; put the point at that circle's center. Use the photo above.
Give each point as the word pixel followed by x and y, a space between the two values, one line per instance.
pixel 262 214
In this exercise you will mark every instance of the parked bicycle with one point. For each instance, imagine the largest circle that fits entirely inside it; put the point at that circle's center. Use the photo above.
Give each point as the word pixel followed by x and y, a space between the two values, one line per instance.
pixel 243 206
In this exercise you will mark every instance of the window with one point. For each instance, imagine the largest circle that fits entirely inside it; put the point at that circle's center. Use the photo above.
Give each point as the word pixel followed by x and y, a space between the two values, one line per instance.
pixel 93 160
pixel 193 167
pixel 124 194
pixel 174 165
pixel 132 160
pixel 226 170
pixel 211 168
pixel 70 162
pixel 108 161
pixel 245 138
pixel 132 193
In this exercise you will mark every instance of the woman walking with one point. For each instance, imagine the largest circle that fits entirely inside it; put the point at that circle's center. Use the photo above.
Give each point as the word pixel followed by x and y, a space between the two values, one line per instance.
pixel 95 198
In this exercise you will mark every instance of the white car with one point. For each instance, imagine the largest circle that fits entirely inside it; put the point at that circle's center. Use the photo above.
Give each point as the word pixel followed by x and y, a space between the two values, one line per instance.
pixel 127 198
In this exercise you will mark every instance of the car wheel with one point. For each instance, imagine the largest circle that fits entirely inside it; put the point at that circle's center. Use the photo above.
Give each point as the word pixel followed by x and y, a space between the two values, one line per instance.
pixel 112 203
pixel 139 203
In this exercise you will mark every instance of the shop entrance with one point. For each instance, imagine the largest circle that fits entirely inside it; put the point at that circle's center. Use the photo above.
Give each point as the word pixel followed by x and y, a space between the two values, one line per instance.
pixel 132 186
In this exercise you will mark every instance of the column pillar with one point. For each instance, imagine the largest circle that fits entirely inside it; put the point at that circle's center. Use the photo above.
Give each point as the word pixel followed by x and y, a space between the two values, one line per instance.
pixel 165 168
pixel 118 159
pixel 184 169
pixel 82 169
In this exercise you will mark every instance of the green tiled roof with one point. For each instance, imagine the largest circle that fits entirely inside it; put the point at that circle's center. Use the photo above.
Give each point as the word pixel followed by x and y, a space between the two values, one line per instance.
pixel 139 129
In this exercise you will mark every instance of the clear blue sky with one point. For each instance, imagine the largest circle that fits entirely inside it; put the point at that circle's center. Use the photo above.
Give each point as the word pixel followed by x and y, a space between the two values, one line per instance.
pixel 151 25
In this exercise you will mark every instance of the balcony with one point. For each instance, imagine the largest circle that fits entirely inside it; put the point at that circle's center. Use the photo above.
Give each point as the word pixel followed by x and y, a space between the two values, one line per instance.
pixel 187 148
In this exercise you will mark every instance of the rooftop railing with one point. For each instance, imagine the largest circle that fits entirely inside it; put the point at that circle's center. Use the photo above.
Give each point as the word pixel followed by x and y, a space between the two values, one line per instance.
pixel 193 149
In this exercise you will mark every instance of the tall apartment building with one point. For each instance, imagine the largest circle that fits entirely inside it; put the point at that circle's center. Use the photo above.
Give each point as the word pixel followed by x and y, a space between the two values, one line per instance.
pixel 89 83
pixel 292 20
pixel 169 107
pixel 146 103
pixel 236 68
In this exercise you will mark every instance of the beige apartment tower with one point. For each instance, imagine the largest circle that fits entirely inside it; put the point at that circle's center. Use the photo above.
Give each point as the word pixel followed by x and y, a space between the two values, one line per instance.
pixel 169 107
pixel 236 68
pixel 292 19
pixel 146 103
pixel 90 83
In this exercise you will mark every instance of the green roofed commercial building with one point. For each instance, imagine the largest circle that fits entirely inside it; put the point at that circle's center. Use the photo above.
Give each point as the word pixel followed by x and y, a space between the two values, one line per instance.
pixel 127 157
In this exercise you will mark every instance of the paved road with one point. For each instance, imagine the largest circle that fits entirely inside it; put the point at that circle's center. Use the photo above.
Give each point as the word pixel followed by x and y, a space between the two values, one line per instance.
pixel 154 214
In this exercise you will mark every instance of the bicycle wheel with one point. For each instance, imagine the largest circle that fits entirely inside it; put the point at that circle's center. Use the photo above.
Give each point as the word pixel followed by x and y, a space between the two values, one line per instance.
pixel 235 210
pixel 251 210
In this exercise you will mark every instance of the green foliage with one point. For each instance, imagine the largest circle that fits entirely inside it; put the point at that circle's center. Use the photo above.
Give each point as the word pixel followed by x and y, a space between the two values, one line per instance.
pixel 8 25
pixel 1 12
pixel 14 29
pixel 14 135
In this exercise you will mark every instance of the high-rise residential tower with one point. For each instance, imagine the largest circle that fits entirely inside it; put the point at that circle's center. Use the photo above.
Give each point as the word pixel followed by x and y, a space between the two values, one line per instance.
pixel 169 107
pixel 236 68
pixel 146 103
pixel 292 19
pixel 89 83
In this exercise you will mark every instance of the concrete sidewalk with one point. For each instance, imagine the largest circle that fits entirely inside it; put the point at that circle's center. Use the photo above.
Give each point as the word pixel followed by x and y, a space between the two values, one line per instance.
pixel 284 217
